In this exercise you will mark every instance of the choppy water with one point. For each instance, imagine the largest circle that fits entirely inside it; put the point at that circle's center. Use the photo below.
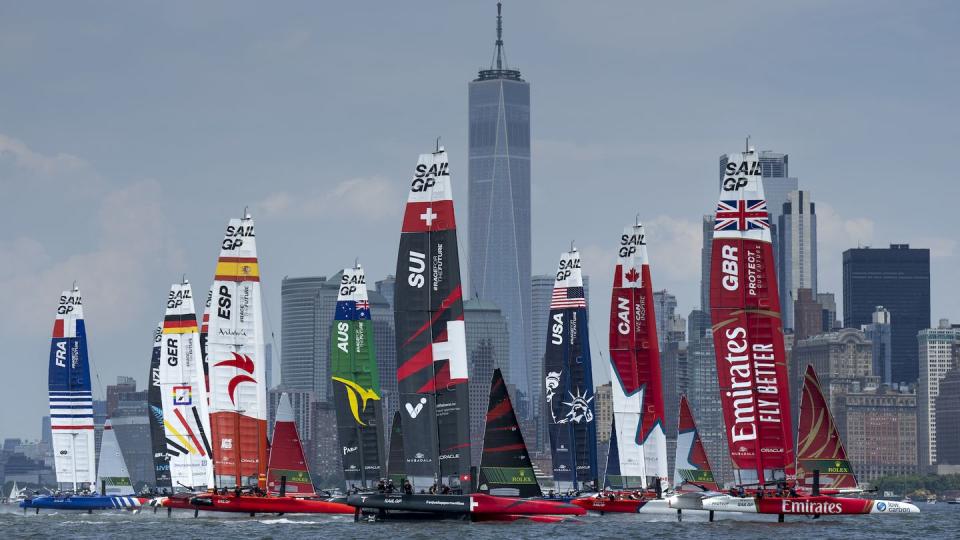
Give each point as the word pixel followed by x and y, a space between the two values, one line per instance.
pixel 935 521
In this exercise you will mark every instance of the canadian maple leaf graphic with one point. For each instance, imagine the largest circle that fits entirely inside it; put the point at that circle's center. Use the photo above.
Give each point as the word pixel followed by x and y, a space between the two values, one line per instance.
pixel 240 362
pixel 632 275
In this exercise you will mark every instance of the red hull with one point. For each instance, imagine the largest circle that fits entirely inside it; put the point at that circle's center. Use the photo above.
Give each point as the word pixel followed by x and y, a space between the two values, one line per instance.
pixel 248 504
pixel 615 502
pixel 813 505
pixel 484 504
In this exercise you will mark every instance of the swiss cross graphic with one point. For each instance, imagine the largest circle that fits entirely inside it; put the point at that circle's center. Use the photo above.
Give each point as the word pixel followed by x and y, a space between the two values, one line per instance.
pixel 428 216
pixel 632 276
pixel 473 504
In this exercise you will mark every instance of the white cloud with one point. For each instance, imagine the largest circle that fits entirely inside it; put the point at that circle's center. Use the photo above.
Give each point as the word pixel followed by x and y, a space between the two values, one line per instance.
pixel 35 161
pixel 369 198
pixel 115 275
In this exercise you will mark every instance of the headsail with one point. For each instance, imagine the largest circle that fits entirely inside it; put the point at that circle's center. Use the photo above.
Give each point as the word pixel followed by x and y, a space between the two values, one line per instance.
pixel 692 463
pixel 287 462
pixel 747 329
pixel 356 382
pixel 183 393
pixel 235 354
pixel 431 346
pixel 112 475
pixel 158 438
pixel 396 465
pixel 819 446
pixel 568 380
pixel 505 466
pixel 635 368
pixel 71 399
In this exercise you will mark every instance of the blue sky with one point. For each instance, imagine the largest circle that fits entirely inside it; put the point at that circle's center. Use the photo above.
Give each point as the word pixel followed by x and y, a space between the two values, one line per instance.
pixel 131 131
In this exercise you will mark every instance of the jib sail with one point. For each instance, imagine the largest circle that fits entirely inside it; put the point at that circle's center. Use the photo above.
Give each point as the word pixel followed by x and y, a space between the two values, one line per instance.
pixel 819 447
pixel 505 466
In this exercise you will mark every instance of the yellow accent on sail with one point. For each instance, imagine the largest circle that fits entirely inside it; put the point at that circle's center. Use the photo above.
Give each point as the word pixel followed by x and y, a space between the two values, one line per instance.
pixel 353 391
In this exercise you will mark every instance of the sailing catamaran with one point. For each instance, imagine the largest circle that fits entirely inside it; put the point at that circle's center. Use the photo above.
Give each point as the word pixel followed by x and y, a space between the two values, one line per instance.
pixel 751 362
pixel 237 398
pixel 71 416
pixel 183 395
pixel 356 383
pixel 158 440
pixel 568 381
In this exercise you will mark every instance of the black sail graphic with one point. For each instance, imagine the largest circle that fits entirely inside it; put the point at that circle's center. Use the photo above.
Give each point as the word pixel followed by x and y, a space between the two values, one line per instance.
pixel 431 349
pixel 568 380
pixel 505 467
pixel 396 467
pixel 158 441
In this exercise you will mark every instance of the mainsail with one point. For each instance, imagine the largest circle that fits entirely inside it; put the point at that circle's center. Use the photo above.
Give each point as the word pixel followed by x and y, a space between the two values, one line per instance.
pixel 235 354
pixel 692 464
pixel 287 469
pixel 568 380
pixel 505 466
pixel 356 382
pixel 158 438
pixel 747 330
pixel 71 400
pixel 183 394
pixel 819 446
pixel 396 465
pixel 431 346
pixel 635 368
pixel 112 475
pixel 204 332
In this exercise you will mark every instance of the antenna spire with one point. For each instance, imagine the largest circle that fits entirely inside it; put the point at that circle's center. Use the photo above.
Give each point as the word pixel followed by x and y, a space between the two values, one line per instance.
pixel 499 36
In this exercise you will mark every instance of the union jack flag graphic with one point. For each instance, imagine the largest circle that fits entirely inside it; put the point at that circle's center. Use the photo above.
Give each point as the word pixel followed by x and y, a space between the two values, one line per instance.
pixel 568 297
pixel 363 304
pixel 742 215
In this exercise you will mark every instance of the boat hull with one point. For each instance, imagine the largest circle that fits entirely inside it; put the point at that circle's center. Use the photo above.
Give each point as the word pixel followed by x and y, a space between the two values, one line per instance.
pixel 84 502
pixel 624 505
pixel 478 506
pixel 249 504
pixel 818 505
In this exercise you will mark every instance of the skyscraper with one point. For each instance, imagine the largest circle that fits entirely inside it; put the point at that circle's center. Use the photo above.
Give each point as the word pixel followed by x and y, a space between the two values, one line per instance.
pixel 307 308
pixel 488 347
pixel 669 324
pixel 499 201
pixel 706 249
pixel 798 251
pixel 936 359
pixel 879 429
pixel 898 279
pixel 879 333
pixel 807 315
pixel 703 391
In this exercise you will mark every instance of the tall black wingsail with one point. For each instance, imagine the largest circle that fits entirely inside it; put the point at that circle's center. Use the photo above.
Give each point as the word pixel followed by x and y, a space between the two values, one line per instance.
pixel 161 460
pixel 505 467
pixel 431 346
pixel 568 380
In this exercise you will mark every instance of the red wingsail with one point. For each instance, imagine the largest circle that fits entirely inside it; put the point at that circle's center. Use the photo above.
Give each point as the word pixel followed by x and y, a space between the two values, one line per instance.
pixel 692 463
pixel 747 330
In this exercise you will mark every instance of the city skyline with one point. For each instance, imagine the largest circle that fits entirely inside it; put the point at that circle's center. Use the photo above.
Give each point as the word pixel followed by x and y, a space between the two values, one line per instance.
pixel 123 178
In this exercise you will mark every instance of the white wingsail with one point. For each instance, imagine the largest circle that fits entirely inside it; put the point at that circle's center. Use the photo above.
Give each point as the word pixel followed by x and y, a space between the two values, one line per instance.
pixel 183 393
pixel 112 475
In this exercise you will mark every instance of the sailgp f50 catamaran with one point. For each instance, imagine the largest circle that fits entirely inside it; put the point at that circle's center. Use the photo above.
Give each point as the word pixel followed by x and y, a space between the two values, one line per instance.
pixel 568 381
pixel 356 383
pixel 751 362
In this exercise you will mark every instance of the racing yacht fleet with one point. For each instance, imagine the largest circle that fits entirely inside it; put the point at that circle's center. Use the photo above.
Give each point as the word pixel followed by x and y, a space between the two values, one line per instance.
pixel 208 402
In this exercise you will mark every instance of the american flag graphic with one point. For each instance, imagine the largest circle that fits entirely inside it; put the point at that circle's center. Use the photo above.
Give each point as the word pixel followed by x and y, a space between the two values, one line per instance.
pixel 363 304
pixel 568 297
pixel 742 215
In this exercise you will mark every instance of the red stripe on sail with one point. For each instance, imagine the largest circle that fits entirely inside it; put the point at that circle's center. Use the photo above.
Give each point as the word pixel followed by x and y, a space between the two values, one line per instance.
pixel 58 328
pixel 506 448
pixel 72 427
pixel 428 216
pixel 237 259
pixel 444 306
pixel 421 360
pixel 183 421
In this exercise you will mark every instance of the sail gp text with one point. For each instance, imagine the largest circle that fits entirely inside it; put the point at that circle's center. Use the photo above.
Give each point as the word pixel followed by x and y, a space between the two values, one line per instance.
pixel 754 388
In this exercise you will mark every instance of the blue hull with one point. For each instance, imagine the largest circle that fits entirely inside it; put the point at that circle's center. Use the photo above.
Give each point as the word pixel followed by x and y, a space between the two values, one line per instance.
pixel 82 502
